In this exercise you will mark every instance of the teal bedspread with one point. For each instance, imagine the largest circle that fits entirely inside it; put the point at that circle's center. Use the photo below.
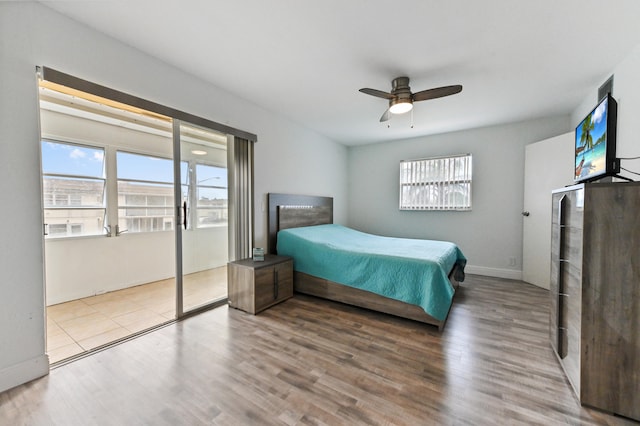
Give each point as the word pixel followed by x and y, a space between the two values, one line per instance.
pixel 410 270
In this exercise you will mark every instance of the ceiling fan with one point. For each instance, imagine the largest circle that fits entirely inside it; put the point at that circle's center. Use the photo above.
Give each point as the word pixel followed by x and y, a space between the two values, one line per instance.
pixel 401 99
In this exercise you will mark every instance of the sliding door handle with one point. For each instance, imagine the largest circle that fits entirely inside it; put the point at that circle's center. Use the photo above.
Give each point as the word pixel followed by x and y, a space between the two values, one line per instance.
pixel 184 214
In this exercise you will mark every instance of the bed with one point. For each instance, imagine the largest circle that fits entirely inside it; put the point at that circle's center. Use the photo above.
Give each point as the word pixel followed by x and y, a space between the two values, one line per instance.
pixel 414 279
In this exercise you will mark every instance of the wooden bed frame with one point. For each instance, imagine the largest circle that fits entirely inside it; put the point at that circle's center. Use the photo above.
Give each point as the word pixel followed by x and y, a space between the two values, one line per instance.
pixel 292 211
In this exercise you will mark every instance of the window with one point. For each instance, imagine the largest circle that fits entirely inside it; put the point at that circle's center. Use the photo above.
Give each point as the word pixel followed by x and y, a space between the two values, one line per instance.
pixel 211 195
pixel 145 193
pixel 442 183
pixel 75 200
pixel 73 189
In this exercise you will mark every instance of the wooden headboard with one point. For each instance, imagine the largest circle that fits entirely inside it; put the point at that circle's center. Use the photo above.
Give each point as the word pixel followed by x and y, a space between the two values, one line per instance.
pixel 292 211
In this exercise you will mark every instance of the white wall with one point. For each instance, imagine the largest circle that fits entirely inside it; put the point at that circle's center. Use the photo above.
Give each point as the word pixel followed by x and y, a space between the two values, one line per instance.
pixel 21 284
pixel 296 162
pixel 86 266
pixel 288 157
pixel 491 233
pixel 626 91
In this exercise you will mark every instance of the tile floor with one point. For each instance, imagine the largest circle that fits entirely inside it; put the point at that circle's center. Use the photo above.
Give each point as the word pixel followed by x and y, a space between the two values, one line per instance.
pixel 81 325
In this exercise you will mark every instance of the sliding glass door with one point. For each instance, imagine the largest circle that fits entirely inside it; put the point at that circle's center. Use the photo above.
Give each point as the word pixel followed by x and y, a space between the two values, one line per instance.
pixel 136 208
pixel 109 219
pixel 200 170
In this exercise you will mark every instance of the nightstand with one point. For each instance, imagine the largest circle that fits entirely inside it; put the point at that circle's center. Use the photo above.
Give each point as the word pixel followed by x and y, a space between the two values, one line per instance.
pixel 255 286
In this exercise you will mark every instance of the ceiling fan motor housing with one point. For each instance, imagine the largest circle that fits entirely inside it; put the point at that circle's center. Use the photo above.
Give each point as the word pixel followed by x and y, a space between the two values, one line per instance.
pixel 401 92
pixel 400 84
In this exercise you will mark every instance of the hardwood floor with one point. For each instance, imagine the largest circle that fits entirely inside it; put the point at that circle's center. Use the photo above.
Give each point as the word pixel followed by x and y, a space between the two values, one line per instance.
pixel 309 361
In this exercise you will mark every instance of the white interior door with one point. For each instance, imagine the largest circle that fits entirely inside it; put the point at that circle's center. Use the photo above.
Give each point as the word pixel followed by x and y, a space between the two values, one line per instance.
pixel 548 166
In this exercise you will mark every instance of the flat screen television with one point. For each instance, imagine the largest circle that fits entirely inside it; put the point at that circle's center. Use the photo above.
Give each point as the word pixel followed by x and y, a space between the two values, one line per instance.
pixel 596 143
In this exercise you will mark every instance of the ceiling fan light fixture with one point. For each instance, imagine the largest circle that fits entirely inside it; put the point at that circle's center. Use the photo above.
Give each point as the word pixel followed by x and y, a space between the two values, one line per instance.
pixel 401 98
pixel 400 106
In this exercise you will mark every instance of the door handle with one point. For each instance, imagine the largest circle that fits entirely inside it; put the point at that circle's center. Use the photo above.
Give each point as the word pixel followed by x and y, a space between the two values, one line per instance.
pixel 525 214
pixel 184 214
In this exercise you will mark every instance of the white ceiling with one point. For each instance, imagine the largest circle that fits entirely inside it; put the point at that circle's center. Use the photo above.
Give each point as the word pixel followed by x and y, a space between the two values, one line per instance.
pixel 307 59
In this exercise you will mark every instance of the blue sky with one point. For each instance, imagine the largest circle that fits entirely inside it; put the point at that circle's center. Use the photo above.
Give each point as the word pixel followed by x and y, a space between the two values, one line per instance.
pixel 85 161
pixel 72 159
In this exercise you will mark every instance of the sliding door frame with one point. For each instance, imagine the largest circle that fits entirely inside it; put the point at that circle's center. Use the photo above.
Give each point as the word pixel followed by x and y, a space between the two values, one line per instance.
pixel 177 117
pixel 179 216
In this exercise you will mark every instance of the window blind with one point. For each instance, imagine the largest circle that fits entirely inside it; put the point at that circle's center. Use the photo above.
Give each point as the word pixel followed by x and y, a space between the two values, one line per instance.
pixel 438 183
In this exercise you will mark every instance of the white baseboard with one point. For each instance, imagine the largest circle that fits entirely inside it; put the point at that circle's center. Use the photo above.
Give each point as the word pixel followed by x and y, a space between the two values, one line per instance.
pixel 511 274
pixel 24 372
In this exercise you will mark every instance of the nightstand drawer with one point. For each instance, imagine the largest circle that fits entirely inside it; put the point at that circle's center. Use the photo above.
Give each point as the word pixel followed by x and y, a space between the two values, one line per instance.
pixel 273 280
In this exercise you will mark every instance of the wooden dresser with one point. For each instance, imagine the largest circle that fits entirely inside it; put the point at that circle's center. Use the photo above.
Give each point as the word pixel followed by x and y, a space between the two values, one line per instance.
pixel 595 293
pixel 255 286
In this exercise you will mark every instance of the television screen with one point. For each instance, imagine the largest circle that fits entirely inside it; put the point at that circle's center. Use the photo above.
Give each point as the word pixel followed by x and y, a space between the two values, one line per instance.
pixel 595 143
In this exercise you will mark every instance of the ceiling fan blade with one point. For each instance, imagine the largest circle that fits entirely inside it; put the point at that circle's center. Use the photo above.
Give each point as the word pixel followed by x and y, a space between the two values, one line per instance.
pixel 438 92
pixel 377 93
pixel 385 116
